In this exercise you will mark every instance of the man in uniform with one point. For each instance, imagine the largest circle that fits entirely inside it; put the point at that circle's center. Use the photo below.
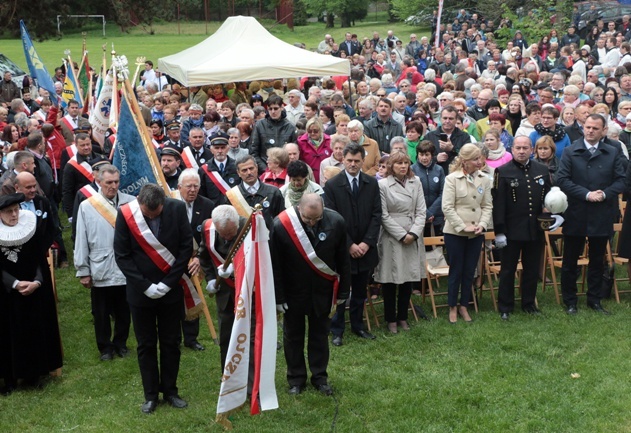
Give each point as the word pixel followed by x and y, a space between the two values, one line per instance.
pixel 173 134
pixel 519 191
pixel 170 160
pixel 312 273
pixel 219 174
pixel 96 266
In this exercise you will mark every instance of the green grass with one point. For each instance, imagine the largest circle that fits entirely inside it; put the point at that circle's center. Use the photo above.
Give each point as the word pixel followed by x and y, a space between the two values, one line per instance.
pixel 487 376
pixel 167 41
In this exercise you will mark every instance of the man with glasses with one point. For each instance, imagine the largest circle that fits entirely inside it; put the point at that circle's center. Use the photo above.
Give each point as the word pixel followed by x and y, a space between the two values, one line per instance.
pixel 546 96
pixel 273 131
pixel 294 108
pixel 310 258
pixel 478 111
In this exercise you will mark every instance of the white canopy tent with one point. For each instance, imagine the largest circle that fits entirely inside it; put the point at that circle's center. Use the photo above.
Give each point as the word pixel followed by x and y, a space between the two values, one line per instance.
pixel 242 50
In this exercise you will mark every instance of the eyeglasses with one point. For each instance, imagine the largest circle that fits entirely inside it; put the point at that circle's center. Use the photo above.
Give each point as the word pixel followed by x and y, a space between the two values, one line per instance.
pixel 273 108
pixel 313 131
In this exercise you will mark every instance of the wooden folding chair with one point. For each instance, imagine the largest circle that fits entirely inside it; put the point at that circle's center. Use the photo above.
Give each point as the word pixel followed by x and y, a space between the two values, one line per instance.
pixel 615 259
pixel 369 310
pixel 434 274
pixel 555 261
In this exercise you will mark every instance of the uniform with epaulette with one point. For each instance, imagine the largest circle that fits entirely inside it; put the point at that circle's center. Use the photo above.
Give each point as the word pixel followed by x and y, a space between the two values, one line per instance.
pixel 519 191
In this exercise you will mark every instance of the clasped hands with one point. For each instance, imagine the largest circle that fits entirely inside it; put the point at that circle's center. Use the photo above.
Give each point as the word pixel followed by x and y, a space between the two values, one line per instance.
pixel 474 228
pixel 156 291
pixel 27 287
pixel 359 250
pixel 596 196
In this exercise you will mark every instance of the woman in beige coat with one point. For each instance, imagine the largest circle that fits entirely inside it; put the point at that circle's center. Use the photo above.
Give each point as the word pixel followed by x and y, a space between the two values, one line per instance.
pixel 400 246
pixel 468 207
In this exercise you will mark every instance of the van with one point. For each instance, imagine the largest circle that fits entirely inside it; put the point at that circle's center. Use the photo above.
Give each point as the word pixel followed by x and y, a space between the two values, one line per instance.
pixel 7 64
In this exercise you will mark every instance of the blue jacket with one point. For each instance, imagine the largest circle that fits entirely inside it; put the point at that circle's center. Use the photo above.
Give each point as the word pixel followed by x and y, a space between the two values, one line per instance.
pixel 433 180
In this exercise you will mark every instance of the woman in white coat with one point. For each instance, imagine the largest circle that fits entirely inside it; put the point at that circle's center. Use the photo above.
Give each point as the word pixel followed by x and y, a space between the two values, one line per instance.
pixel 400 246
pixel 468 207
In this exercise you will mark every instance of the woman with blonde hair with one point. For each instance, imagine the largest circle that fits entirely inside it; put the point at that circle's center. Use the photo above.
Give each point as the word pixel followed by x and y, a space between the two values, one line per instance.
pixel 467 206
pixel 315 146
pixel 400 245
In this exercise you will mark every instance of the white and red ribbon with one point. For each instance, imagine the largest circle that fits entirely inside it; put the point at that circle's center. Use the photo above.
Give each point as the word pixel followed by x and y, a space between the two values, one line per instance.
pixel 216 178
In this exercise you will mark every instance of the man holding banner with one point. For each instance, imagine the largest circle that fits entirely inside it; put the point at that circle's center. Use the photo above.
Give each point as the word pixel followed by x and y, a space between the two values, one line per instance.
pixel 312 274
pixel 153 243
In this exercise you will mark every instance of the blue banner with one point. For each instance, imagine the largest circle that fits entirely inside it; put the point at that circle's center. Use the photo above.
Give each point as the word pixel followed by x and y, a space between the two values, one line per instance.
pixel 36 67
pixel 130 156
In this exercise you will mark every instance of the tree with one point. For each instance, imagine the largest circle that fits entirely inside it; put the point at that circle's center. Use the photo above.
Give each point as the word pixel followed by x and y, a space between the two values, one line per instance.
pixel 346 10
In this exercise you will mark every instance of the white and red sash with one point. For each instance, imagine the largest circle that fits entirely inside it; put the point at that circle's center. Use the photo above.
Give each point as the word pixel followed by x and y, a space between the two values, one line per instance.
pixel 84 168
pixel 189 158
pixel 210 233
pixel 71 150
pixel 39 115
pixel 290 220
pixel 67 120
pixel 239 202
pixel 216 179
pixel 88 191
pixel 155 143
pixel 159 254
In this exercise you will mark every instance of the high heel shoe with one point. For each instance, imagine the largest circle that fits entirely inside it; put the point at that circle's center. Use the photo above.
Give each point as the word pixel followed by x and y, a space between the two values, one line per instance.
pixel 465 314
pixel 453 315
pixel 392 327
pixel 404 325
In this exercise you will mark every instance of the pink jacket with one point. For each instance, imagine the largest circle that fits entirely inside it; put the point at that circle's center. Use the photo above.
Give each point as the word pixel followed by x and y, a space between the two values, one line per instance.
pixel 312 156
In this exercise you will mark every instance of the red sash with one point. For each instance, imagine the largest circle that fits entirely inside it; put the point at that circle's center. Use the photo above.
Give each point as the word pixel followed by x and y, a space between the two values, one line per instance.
pixel 189 158
pixel 83 168
pixel 88 191
pixel 71 150
pixel 291 222
pixel 69 124
pixel 216 179
pixel 209 237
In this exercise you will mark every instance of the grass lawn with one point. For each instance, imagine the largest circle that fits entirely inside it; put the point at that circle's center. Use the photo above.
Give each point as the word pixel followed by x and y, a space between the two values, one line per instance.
pixel 167 41
pixel 487 376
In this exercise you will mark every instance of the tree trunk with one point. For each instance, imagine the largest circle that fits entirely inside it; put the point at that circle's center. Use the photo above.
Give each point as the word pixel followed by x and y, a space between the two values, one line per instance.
pixel 346 20
pixel 330 20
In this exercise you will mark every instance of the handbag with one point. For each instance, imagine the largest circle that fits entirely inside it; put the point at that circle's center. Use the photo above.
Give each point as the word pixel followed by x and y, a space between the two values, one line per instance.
pixel 435 258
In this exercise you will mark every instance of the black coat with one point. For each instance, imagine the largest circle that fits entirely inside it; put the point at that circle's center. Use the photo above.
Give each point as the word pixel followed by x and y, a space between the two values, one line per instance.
pixel 73 181
pixel 295 282
pixel 362 216
pixel 205 156
pixel 581 172
pixel 270 133
pixel 518 195
pixel 266 194
pixel 574 132
pixel 458 139
pixel 175 234
pixel 229 175
pixel 202 209
pixel 433 181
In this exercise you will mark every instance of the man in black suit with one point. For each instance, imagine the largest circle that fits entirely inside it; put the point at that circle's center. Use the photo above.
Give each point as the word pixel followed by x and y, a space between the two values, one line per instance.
pixel 219 174
pixel 349 46
pixel 355 196
pixel 251 192
pixel 575 130
pixel 156 300
pixel 591 173
pixel 26 184
pixel 198 209
pixel 301 291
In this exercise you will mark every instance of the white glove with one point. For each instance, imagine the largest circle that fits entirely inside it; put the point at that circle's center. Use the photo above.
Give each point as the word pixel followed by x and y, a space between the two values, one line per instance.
pixel 153 292
pixel 70 220
pixel 226 273
pixel 282 308
pixel 500 240
pixel 340 301
pixel 558 220
pixel 211 287
pixel 163 288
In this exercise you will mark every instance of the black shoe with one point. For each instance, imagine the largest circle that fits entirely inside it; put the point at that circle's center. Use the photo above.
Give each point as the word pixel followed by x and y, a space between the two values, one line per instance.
pixel 175 401
pixel 505 316
pixel 598 308
pixel 571 309
pixel 296 389
pixel 195 346
pixel 106 356
pixel 364 334
pixel 337 340
pixel 531 310
pixel 149 406
pixel 123 352
pixel 324 388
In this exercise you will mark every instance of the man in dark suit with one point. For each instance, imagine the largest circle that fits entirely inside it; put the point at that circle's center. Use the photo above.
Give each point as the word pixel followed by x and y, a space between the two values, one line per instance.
pixel 77 173
pixel 575 130
pixel 156 300
pixel 26 184
pixel 198 209
pixel 301 291
pixel 350 46
pixel 194 155
pixel 220 172
pixel 251 192
pixel 355 196
pixel 519 190
pixel 592 175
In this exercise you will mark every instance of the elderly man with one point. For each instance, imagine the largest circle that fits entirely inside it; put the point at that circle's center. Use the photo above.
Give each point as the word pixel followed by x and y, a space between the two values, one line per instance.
pixel 8 90
pixel 96 267
pixel 383 127
pixel 303 234
pixel 294 108
pixel 478 111
pixel 273 131
pixel 370 146
pixel 174 136
pixel 194 155
pixel 412 47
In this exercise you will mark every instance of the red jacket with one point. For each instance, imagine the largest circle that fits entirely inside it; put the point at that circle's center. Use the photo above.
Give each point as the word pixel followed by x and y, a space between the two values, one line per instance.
pixel 56 142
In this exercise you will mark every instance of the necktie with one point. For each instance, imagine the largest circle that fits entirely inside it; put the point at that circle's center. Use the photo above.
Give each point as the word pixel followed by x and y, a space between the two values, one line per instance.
pixel 592 149
pixel 189 211
pixel 355 188
pixel 221 167
pixel 74 119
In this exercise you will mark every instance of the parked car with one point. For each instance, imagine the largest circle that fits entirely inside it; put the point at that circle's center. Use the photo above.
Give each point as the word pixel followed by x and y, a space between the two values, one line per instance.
pixel 7 64
pixel 613 12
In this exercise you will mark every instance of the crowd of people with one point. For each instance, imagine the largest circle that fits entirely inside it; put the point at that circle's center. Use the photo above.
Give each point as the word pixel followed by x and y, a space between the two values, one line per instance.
pixel 453 139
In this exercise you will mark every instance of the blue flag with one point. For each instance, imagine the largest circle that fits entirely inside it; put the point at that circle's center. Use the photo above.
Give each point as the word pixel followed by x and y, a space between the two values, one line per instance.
pixel 35 65
pixel 130 156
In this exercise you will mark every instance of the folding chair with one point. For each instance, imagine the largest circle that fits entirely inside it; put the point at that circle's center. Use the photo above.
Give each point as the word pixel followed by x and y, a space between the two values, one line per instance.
pixel 615 259
pixel 370 305
pixel 554 242
pixel 434 274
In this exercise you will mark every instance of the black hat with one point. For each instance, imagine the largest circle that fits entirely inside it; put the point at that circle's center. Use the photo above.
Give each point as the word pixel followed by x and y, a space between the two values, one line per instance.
pixel 172 125
pixel 98 161
pixel 169 149
pixel 219 139
pixel 81 130
pixel 9 199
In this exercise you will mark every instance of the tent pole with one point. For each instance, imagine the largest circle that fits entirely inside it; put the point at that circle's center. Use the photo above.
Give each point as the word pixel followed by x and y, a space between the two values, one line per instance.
pixel 350 93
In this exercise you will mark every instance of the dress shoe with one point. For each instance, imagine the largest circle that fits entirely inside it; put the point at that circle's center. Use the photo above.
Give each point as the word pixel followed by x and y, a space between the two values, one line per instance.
pixel 149 406
pixel 123 352
pixel 392 327
pixel 464 313
pixel 106 356
pixel 404 325
pixel 453 315
pixel 337 340
pixel 598 308
pixel 531 309
pixel 324 388
pixel 505 316
pixel 571 309
pixel 195 346
pixel 365 334
pixel 296 389
pixel 175 401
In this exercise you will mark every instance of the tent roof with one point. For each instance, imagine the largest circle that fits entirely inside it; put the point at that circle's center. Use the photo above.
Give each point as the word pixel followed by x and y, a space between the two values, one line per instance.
pixel 243 50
